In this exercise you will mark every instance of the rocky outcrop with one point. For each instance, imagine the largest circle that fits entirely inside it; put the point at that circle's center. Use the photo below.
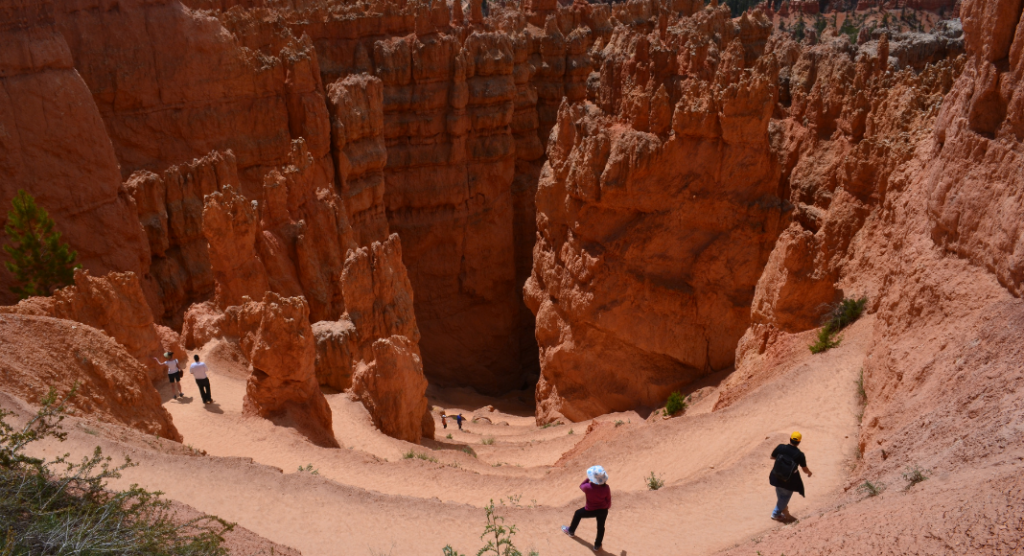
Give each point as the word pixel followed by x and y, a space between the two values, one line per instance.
pixel 230 226
pixel 70 168
pixel 924 227
pixel 170 207
pixel 281 351
pixel 39 353
pixel 379 305
pixel 837 165
pixel 114 304
pixel 379 296
pixel 275 337
pixel 165 99
pixel 272 246
pixel 447 96
pixel 357 145
pixel 393 388
pixel 975 183
pixel 450 162
pixel 645 259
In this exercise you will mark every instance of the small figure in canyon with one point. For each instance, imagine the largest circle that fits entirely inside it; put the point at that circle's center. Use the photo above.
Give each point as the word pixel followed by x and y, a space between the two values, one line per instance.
pixel 202 380
pixel 785 477
pixel 444 420
pixel 599 500
pixel 459 419
pixel 174 374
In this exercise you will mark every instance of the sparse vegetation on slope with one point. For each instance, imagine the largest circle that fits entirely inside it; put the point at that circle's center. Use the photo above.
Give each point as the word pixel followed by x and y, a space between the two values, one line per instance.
pixel 71 511
pixel 914 475
pixel 497 535
pixel 654 482
pixel 843 314
pixel 872 489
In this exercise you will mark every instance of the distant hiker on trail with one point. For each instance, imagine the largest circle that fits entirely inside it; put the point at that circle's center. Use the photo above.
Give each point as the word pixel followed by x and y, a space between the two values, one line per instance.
pixel 202 381
pixel 459 419
pixel 599 500
pixel 444 420
pixel 174 374
pixel 785 477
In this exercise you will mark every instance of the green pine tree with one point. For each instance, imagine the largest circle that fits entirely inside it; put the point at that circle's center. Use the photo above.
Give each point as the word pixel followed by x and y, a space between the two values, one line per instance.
pixel 40 261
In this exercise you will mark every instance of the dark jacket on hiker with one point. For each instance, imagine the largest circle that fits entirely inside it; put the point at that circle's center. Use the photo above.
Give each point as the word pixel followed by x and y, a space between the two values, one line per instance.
pixel 794 455
pixel 599 497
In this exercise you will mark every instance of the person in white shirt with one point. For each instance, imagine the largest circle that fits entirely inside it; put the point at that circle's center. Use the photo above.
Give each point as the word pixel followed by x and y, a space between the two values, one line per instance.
pixel 202 380
pixel 174 374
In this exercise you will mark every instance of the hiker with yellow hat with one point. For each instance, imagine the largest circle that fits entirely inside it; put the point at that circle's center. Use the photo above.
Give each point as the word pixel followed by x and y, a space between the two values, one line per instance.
pixel 785 477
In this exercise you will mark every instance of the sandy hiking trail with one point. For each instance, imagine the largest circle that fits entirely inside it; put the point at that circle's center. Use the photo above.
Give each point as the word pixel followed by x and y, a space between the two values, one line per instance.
pixel 367 498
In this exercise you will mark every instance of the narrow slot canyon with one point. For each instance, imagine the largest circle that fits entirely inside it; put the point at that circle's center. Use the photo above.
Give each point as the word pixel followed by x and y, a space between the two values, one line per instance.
pixel 439 258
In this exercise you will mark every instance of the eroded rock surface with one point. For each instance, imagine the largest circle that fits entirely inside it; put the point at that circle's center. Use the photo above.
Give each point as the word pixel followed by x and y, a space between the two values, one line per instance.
pixel 114 304
pixel 38 353
pixel 393 389
pixel 906 200
pixel 71 168
pixel 650 242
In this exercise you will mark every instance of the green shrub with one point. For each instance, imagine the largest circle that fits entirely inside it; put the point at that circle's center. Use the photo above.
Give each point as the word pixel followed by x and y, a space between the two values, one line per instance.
pixel 654 482
pixel 309 469
pixel 914 475
pixel 871 489
pixel 850 30
pixel 40 261
pixel 843 314
pixel 411 454
pixel 449 437
pixel 497 535
pixel 799 30
pixel 71 511
pixel 552 424
pixel 819 25
pixel 487 441
pixel 826 340
pixel 469 451
pixel 675 404
pixel 862 394
pixel 619 423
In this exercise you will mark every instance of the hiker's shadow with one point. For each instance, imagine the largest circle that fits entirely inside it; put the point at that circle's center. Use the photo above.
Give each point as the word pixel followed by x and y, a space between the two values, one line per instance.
pixel 213 407
pixel 591 547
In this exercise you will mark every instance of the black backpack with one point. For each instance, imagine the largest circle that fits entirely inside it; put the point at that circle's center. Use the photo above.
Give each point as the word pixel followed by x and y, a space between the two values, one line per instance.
pixel 784 468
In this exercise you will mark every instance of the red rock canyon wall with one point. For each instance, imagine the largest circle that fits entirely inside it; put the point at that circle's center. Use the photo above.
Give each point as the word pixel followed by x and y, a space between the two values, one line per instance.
pixel 656 212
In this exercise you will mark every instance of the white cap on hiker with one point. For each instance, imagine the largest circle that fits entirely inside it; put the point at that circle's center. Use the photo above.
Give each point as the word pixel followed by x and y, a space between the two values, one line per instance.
pixel 597 475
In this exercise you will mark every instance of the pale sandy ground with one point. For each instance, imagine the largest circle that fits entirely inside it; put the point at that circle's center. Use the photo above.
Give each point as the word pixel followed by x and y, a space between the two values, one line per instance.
pixel 368 499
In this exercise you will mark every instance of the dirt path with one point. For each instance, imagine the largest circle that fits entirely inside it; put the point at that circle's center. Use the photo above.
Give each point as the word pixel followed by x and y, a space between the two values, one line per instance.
pixel 368 499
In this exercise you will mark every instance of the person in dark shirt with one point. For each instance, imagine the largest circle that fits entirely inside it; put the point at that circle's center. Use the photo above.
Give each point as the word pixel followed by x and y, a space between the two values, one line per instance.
pixel 599 501
pixel 785 477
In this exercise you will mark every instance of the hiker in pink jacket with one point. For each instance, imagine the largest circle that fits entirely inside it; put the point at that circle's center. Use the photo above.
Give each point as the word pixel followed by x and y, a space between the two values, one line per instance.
pixel 599 500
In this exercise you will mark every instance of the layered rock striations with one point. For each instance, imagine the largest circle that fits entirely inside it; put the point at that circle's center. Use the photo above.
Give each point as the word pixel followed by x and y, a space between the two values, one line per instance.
pixel 975 182
pixel 381 306
pixel 171 86
pixel 657 210
pixel 848 123
pixel 70 168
